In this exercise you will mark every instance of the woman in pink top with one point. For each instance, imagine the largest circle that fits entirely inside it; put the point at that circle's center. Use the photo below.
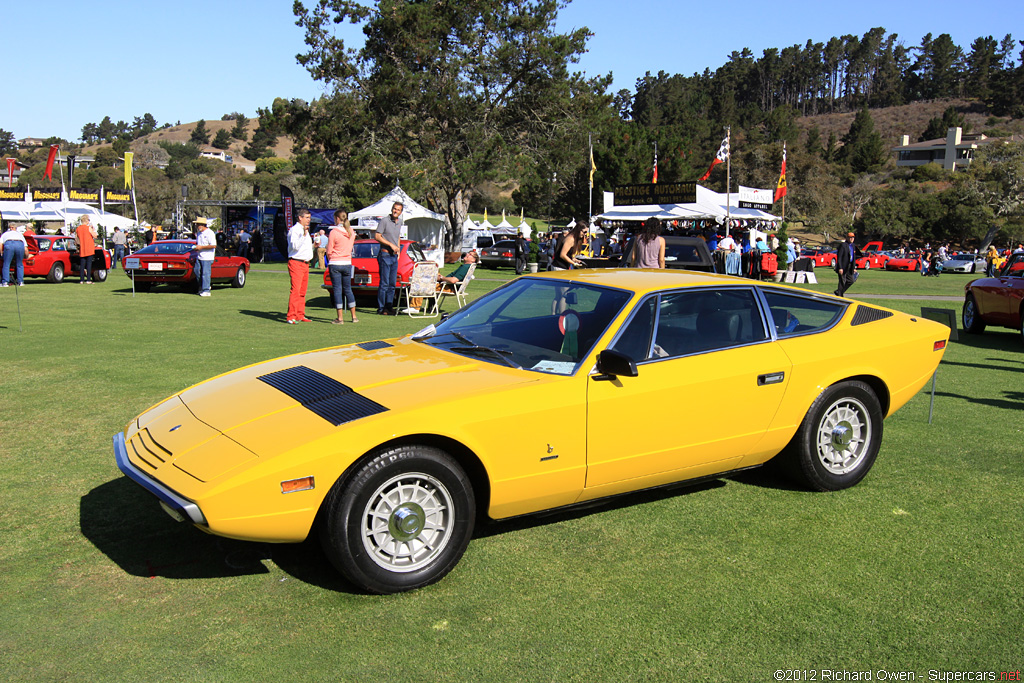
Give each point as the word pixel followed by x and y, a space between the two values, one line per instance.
pixel 339 268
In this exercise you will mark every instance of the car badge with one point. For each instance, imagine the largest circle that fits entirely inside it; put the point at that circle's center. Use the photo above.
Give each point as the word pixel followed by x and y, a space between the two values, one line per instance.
pixel 174 428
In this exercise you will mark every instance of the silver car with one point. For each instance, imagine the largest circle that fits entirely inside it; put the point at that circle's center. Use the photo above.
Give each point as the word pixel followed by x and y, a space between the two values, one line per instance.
pixel 964 263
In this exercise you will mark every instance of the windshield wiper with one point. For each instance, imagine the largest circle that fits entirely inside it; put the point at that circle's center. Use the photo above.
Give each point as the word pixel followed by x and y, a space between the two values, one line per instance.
pixel 457 335
pixel 500 354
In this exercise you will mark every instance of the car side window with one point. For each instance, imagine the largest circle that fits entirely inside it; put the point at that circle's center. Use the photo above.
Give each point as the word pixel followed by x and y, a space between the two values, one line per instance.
pixel 793 315
pixel 635 340
pixel 706 320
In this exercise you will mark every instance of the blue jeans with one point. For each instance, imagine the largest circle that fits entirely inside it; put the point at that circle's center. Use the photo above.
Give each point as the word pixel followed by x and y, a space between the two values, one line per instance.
pixel 14 250
pixel 118 255
pixel 204 274
pixel 387 266
pixel 341 285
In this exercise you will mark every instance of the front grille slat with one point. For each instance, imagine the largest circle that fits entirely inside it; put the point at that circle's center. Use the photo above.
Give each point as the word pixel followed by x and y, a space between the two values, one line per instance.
pixel 374 345
pixel 322 395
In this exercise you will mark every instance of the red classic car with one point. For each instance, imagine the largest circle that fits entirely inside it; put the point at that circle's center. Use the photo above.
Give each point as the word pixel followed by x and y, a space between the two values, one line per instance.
pixel 822 258
pixel 997 301
pixel 56 257
pixel 872 257
pixel 911 262
pixel 173 261
pixel 366 277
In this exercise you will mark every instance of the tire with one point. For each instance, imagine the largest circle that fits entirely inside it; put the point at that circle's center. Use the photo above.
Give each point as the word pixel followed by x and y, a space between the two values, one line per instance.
pixel 99 275
pixel 970 318
pixel 56 274
pixel 867 265
pixel 838 440
pixel 974 269
pixel 238 281
pixel 833 263
pixel 401 521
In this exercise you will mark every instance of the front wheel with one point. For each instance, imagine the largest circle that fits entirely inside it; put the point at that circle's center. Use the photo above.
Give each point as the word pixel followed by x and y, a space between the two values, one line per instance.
pixel 401 521
pixel 867 265
pixel 832 263
pixel 838 440
pixel 239 280
pixel 970 317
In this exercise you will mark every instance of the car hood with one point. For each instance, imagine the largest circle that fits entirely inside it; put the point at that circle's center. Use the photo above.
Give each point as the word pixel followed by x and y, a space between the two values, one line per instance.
pixel 371 378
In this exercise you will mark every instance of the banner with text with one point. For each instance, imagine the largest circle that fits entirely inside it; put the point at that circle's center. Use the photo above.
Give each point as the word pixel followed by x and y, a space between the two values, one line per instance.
pixel 117 196
pixel 753 198
pixel 656 193
pixel 12 194
pixel 46 194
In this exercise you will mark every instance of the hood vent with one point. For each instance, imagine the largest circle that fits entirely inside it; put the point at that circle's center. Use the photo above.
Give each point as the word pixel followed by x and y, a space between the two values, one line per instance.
pixel 374 345
pixel 866 314
pixel 327 397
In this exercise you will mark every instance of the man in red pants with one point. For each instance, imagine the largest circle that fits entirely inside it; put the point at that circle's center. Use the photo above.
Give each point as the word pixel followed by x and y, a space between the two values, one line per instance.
pixel 300 251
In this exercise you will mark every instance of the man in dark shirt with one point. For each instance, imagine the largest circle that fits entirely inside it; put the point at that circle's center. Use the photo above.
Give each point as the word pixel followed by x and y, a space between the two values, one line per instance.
pixel 388 234
pixel 459 274
pixel 846 264
pixel 521 248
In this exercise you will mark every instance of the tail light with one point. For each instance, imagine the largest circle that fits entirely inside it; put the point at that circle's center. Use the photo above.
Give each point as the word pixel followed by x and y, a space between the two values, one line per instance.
pixel 939 345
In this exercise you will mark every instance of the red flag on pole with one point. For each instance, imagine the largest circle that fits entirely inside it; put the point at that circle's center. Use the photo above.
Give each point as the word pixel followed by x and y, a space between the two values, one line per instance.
pixel 10 171
pixel 780 187
pixel 655 181
pixel 723 154
pixel 48 174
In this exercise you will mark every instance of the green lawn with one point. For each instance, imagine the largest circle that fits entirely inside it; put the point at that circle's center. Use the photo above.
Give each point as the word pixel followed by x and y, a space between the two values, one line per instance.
pixel 919 567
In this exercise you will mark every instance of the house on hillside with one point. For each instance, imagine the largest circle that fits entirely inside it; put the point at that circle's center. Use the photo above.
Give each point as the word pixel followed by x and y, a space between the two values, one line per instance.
pixel 214 153
pixel 955 150
pixel 25 143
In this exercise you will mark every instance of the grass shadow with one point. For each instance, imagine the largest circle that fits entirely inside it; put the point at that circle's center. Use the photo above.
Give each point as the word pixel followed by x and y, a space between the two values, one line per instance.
pixel 276 316
pixel 1009 341
pixel 127 525
pixel 1013 400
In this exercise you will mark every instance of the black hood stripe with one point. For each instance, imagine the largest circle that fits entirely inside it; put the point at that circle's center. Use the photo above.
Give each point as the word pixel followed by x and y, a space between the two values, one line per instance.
pixel 327 397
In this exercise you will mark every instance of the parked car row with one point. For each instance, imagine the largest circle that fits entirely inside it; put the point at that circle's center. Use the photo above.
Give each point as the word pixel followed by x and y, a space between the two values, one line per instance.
pixel 996 301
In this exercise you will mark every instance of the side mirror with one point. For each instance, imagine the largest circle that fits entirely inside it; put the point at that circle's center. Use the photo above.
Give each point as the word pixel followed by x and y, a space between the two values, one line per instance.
pixel 612 364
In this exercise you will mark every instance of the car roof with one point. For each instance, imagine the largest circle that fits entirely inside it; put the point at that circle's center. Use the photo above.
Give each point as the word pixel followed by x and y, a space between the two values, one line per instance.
pixel 643 280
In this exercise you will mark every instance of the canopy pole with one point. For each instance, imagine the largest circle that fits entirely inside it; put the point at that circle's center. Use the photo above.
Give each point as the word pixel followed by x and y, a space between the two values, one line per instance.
pixel 728 182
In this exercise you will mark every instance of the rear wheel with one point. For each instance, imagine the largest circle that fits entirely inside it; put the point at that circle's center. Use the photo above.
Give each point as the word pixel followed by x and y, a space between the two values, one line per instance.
pixel 401 521
pixel 99 275
pixel 838 440
pixel 970 317
pixel 56 274
pixel 239 280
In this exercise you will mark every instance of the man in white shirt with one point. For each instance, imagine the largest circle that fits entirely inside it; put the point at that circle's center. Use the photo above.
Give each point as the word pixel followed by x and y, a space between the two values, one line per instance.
pixel 727 243
pixel 206 247
pixel 300 252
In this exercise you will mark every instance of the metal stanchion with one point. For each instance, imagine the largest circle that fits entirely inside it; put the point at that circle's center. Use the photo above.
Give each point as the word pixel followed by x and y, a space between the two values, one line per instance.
pixel 931 404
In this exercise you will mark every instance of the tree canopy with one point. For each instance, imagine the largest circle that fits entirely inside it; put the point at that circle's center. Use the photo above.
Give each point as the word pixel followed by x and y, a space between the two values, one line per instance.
pixel 444 95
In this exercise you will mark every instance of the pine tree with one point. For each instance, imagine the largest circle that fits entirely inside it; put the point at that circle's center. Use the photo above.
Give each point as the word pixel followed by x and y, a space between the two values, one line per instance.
pixel 863 148
pixel 200 135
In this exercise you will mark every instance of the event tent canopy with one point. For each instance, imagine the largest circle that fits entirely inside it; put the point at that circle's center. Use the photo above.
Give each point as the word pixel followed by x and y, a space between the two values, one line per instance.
pixel 420 224
pixel 64 212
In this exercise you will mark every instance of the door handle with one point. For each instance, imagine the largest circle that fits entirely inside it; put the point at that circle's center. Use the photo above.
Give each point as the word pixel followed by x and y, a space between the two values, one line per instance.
pixel 770 378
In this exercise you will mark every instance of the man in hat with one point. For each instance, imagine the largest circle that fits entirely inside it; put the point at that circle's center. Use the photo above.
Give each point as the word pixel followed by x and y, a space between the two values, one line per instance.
pixel 846 264
pixel 206 248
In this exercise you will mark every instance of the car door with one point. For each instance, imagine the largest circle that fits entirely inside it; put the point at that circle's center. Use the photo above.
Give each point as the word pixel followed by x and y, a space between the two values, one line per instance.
pixel 709 382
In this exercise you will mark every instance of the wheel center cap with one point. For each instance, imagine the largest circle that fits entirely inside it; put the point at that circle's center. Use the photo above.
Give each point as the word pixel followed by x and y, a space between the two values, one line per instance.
pixel 842 435
pixel 407 522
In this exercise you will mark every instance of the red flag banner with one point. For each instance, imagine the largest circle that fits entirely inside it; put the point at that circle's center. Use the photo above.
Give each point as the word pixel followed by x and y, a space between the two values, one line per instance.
pixel 48 174
pixel 780 188
pixel 723 154
pixel 10 171
pixel 655 181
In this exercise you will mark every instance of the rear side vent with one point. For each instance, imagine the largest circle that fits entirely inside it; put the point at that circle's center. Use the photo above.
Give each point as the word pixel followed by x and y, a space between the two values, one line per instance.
pixel 327 397
pixel 374 345
pixel 866 314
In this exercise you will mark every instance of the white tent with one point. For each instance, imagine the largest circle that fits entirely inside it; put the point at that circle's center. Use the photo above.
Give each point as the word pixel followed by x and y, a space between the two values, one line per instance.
pixel 504 227
pixel 470 232
pixel 63 212
pixel 420 224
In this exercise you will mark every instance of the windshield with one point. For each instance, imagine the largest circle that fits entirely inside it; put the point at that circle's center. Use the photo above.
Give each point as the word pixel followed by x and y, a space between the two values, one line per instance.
pixel 167 248
pixel 532 323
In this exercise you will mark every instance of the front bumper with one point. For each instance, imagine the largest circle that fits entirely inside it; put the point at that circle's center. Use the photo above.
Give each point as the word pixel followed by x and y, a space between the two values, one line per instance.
pixel 182 506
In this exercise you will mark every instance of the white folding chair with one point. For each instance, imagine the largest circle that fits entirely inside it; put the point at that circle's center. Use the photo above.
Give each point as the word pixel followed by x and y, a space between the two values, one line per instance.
pixel 422 285
pixel 458 290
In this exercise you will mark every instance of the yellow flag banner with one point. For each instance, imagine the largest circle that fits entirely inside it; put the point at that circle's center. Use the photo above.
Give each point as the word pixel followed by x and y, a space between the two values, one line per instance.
pixel 128 169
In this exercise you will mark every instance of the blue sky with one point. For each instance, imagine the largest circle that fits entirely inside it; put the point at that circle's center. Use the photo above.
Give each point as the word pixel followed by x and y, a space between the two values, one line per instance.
pixel 71 62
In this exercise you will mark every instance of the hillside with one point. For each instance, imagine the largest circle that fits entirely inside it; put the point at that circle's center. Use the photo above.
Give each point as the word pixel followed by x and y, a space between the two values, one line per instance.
pixel 183 132
pixel 907 119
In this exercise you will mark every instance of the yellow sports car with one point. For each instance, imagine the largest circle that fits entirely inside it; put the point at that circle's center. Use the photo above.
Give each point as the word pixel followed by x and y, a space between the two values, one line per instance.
pixel 550 391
